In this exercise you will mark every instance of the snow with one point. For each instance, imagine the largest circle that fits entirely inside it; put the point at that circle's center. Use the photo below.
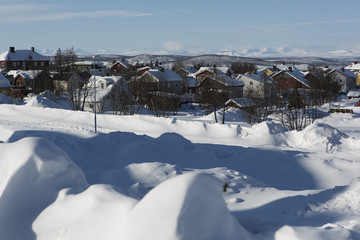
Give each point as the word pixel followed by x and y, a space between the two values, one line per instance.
pixel 21 55
pixel 142 177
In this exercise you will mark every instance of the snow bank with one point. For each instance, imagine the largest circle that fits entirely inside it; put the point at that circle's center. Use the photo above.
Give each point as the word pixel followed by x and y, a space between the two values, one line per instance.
pixel 97 213
pixel 41 101
pixel 319 136
pixel 300 233
pixel 32 172
pixel 189 206
pixel 346 202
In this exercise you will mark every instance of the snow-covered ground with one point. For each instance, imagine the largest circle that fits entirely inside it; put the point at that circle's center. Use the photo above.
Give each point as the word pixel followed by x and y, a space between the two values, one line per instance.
pixel 142 177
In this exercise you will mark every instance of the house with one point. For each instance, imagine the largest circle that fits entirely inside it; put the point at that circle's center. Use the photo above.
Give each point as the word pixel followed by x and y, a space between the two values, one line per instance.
pixel 240 103
pixel 23 59
pixel 289 79
pixel 211 71
pixel 24 82
pixel 184 72
pixel 142 70
pixel 232 86
pixel 87 65
pixel 355 68
pixel 5 85
pixel 106 87
pixel 120 67
pixel 345 77
pixel 259 82
pixel 65 82
pixel 163 80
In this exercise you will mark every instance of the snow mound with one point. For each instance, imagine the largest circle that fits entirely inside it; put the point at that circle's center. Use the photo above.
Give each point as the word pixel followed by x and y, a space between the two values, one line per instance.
pixel 95 213
pixel 189 206
pixel 319 136
pixel 41 101
pixel 345 202
pixel 270 132
pixel 300 233
pixel 32 172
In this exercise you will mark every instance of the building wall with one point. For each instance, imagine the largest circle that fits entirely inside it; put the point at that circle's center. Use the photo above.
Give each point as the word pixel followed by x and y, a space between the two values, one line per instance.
pixel 286 82
pixel 24 65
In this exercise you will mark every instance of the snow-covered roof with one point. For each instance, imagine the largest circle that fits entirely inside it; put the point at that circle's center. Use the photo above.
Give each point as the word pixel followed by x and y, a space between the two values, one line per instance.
pixel 124 63
pixel 191 82
pixel 353 67
pixel 353 94
pixel 22 55
pixel 4 82
pixel 165 76
pixel 345 72
pixel 296 74
pixel 218 70
pixel 190 69
pixel 259 77
pixel 90 63
pixel 111 81
pixel 29 74
pixel 227 81
pixel 241 102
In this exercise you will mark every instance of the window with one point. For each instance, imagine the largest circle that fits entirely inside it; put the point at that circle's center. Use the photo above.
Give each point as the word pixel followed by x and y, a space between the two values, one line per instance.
pixel 251 83
pixel 35 64
pixel 102 86
pixel 14 64
pixel 24 64
pixel 42 64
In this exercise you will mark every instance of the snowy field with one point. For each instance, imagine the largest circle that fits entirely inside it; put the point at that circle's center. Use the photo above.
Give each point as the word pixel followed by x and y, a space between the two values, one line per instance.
pixel 147 178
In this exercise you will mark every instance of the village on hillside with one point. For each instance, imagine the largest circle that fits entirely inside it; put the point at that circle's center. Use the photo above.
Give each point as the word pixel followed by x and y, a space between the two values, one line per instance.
pixel 124 88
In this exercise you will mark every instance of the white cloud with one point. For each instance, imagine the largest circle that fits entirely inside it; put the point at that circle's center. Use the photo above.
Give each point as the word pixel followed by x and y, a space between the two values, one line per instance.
pixel 172 46
pixel 10 13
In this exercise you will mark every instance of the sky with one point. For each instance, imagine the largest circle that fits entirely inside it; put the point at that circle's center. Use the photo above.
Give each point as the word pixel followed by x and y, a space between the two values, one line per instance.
pixel 244 28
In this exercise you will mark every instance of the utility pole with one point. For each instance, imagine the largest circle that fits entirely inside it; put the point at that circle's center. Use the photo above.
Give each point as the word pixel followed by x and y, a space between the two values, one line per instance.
pixel 94 95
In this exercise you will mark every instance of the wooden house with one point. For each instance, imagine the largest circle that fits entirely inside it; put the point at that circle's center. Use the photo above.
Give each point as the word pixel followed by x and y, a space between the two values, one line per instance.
pixel 289 79
pixel 233 87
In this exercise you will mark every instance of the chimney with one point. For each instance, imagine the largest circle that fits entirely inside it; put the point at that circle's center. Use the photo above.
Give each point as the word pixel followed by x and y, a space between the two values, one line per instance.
pixel 32 49
pixel 12 49
pixel 343 69
pixel 290 69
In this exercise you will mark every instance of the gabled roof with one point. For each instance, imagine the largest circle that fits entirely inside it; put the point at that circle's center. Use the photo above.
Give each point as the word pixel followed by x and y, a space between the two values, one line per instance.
pixel 190 69
pixel 241 102
pixel 191 82
pixel 296 74
pixel 164 76
pixel 345 72
pixel 123 63
pixel 353 67
pixel 4 82
pixel 30 74
pixel 22 55
pixel 259 77
pixel 217 70
pixel 226 80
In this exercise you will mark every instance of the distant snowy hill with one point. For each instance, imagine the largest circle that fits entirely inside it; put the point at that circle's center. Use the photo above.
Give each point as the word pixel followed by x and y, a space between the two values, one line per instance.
pixel 265 56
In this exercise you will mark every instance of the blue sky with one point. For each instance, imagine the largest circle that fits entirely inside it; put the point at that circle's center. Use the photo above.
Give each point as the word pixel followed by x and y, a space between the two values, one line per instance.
pixel 192 27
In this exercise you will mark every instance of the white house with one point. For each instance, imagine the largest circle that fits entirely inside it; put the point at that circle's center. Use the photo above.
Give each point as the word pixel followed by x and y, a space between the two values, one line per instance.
pixel 105 86
pixel 258 81
pixel 345 77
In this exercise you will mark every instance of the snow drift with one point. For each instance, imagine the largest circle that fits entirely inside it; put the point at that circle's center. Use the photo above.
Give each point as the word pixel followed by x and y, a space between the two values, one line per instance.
pixel 32 172
pixel 189 206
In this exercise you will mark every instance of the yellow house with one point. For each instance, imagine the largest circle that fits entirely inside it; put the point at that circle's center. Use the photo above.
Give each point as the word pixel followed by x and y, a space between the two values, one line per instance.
pixel 358 79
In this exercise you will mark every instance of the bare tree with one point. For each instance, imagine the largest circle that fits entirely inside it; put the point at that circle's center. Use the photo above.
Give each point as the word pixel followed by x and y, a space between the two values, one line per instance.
pixel 120 98
pixel 242 67
pixel 78 91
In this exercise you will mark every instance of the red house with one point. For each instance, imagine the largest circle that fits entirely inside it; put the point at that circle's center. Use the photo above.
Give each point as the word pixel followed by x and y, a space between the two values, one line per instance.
pixel 288 79
pixel 23 59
